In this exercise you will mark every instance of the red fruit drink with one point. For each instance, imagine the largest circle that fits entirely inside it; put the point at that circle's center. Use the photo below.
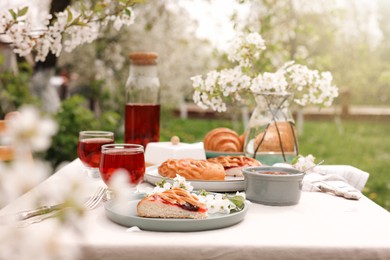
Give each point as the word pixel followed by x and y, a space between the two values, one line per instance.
pixel 142 123
pixel 89 150
pixel 127 157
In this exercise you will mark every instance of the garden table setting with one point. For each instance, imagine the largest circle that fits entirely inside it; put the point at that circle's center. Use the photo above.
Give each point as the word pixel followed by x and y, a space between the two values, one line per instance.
pixel 245 192
pixel 320 226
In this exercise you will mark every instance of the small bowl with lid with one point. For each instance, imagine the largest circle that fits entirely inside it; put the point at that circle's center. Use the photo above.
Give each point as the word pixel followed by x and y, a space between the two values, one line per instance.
pixel 274 186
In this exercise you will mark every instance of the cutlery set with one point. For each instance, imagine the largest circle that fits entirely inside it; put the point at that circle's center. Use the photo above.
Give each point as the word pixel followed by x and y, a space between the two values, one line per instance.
pixel 37 215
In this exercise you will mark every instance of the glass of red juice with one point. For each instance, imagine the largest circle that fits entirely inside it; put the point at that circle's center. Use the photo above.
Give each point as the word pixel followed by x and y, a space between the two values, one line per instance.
pixel 142 123
pixel 89 149
pixel 128 157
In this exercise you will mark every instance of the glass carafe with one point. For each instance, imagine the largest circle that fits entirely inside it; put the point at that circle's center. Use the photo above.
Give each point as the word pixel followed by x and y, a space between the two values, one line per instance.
pixel 142 111
pixel 270 134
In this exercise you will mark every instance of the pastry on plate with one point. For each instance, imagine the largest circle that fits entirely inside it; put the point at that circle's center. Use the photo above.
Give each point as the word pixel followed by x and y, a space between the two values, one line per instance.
pixel 192 169
pixel 223 140
pixel 234 164
pixel 173 203
pixel 275 136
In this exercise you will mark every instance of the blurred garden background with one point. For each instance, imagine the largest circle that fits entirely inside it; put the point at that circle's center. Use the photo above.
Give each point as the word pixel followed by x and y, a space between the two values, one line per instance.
pixel 349 38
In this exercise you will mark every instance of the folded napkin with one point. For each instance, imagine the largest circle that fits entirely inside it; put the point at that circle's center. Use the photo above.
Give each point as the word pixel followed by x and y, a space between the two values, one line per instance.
pixel 342 180
pixel 133 229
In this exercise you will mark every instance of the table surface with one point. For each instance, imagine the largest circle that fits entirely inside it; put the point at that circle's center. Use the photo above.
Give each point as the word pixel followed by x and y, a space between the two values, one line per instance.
pixel 321 226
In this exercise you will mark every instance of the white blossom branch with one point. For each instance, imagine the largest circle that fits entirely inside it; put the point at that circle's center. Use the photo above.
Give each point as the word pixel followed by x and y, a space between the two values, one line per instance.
pixel 76 25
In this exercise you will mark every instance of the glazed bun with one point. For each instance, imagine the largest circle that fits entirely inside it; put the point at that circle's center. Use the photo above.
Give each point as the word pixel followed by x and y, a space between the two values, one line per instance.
pixel 271 141
pixel 222 140
pixel 233 164
pixel 192 169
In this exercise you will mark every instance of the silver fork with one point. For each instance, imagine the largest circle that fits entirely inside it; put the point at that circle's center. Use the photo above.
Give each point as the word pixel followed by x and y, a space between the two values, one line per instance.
pixel 90 204
pixel 94 200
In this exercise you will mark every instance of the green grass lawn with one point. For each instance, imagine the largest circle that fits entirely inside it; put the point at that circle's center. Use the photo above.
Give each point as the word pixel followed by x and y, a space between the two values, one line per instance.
pixel 364 145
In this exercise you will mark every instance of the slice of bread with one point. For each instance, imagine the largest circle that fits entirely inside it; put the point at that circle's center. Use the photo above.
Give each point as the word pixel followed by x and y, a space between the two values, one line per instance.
pixel 173 203
pixel 155 208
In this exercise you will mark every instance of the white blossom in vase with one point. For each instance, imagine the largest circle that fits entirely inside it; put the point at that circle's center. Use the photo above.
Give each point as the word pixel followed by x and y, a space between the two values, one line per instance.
pixel 308 86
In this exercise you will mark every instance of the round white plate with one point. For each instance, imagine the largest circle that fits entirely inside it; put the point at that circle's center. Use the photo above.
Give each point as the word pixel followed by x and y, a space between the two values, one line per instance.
pixel 230 184
pixel 125 214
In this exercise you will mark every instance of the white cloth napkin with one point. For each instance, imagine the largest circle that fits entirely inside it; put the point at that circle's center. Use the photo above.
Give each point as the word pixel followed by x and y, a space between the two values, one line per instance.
pixel 342 180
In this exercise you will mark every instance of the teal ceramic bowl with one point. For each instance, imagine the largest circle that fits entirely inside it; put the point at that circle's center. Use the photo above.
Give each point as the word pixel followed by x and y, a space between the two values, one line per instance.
pixel 274 186
pixel 212 154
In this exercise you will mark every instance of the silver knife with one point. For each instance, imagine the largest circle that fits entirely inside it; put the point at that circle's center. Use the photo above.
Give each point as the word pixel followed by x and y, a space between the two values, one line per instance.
pixel 27 214
pixel 38 211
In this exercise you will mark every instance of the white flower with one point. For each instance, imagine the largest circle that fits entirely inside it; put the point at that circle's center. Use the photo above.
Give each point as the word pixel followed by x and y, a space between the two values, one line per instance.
pixel 30 129
pixel 120 184
pixel 305 163
pixel 217 203
pixel 20 176
pixel 118 23
pixel 73 189
pixel 244 48
pixel 180 182
pixel 197 81
pixel 69 29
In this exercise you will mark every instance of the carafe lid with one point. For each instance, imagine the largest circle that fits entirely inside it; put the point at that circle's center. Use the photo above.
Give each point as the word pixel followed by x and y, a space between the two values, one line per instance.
pixel 143 58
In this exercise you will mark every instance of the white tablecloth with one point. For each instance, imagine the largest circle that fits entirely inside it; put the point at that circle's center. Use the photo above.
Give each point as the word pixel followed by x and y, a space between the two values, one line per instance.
pixel 321 226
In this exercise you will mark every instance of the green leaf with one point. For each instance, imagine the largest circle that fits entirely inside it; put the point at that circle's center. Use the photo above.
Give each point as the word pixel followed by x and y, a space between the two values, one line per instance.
pixel 70 15
pixel 78 22
pixel 99 7
pixel 128 12
pixel 161 183
pixel 203 192
pixel 238 200
pixel 295 160
pixel 23 11
pixel 13 14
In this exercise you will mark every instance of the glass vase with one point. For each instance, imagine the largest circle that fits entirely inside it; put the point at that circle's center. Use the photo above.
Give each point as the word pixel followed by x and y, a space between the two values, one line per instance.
pixel 270 135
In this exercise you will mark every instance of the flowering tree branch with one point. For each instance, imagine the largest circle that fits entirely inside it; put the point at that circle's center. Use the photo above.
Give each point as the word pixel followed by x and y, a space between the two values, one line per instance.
pixel 78 24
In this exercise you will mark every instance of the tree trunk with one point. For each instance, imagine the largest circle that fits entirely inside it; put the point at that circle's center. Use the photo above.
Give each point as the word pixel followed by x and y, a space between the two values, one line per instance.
pixel 51 59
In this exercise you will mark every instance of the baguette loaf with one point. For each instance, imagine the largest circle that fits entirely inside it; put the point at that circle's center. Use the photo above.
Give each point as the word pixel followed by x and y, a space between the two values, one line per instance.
pixel 192 169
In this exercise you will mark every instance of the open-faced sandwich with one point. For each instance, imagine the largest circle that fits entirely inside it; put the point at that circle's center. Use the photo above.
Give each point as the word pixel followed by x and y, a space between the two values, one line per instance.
pixel 176 200
pixel 173 203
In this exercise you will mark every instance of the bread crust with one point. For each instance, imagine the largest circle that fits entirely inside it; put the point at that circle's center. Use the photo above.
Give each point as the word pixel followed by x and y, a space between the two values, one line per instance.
pixel 192 169
pixel 271 141
pixel 223 140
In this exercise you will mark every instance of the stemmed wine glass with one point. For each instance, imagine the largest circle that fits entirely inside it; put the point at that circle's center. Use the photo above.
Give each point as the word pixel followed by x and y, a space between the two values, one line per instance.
pixel 89 149
pixel 129 157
